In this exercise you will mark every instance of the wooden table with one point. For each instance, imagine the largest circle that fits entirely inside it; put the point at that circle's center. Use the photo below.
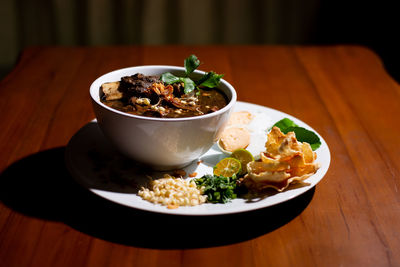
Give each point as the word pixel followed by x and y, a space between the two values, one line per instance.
pixel 351 218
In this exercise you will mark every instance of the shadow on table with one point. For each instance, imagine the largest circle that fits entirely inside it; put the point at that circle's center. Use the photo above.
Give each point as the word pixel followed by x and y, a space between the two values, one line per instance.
pixel 41 186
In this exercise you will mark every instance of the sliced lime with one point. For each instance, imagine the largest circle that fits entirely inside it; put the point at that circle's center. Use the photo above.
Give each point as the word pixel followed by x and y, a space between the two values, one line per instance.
pixel 244 156
pixel 228 167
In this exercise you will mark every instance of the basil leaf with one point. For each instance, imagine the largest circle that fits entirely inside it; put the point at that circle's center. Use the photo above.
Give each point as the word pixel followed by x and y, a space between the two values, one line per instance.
pixel 284 123
pixel 169 78
pixel 189 85
pixel 204 78
pixel 210 80
pixel 304 135
pixel 191 63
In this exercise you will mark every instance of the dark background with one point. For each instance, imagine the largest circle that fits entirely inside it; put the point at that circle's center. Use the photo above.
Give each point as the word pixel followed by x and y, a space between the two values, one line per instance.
pixel 374 24
pixel 157 22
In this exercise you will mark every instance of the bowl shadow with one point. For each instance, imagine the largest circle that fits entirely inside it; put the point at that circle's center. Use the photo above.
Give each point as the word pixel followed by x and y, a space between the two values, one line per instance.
pixel 41 186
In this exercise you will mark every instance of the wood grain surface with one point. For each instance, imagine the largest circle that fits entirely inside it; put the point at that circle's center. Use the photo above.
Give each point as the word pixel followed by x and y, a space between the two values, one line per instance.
pixel 351 218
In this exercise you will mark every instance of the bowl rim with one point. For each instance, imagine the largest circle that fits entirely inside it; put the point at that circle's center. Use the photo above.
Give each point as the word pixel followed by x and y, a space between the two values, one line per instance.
pixel 94 89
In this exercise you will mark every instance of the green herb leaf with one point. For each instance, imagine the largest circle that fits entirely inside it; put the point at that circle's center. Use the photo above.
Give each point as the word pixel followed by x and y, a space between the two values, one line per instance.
pixel 169 78
pixel 191 63
pixel 284 123
pixel 304 135
pixel 204 78
pixel 210 79
pixel 219 189
pixel 189 85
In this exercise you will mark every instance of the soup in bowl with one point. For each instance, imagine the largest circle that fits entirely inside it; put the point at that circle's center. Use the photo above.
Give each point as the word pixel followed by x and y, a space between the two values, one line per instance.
pixel 158 125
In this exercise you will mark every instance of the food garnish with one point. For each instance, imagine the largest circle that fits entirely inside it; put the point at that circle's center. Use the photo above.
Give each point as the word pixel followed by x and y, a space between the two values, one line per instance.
pixel 285 161
pixel 193 174
pixel 170 191
pixel 240 118
pixel 227 167
pixel 236 135
pixel 218 189
pixel 245 130
pixel 210 79
pixel 303 135
pixel 234 138
pixel 244 157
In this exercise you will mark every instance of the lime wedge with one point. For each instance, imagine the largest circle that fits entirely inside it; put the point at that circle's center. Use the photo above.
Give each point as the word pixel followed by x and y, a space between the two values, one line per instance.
pixel 244 156
pixel 227 167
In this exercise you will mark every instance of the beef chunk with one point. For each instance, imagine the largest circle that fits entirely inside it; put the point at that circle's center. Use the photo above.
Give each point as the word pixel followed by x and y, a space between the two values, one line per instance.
pixel 136 85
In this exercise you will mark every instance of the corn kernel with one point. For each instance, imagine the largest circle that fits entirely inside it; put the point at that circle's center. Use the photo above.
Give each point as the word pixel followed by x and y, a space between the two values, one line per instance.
pixel 173 191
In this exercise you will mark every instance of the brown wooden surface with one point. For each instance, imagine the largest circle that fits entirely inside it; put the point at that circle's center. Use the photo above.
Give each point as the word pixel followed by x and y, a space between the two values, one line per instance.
pixel 351 218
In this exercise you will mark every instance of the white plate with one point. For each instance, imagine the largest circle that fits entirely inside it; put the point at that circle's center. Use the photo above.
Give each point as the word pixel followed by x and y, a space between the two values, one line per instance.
pixel 98 167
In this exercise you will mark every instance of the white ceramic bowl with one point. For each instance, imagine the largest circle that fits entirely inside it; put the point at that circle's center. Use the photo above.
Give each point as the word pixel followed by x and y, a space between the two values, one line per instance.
pixel 162 143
